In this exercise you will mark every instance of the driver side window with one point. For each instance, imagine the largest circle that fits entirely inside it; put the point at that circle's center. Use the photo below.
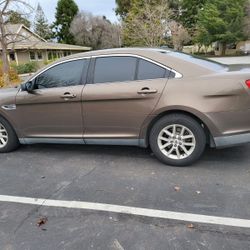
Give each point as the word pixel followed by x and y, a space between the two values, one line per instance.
pixel 63 75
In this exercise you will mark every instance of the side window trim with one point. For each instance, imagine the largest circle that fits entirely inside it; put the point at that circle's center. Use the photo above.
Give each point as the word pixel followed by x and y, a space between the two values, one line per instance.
pixel 169 70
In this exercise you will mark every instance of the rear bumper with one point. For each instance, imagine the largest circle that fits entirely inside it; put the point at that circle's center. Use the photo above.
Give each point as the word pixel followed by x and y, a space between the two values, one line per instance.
pixel 231 140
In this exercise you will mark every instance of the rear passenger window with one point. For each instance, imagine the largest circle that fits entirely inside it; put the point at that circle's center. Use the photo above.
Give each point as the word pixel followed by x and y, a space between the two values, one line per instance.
pixel 114 69
pixel 148 70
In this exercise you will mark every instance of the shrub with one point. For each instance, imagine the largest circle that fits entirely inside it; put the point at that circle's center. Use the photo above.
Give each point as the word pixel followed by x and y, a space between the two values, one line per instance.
pixel 13 76
pixel 26 68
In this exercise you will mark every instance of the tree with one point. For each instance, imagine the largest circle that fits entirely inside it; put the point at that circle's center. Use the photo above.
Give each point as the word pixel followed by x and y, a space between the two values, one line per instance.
pixel 146 23
pixel 247 20
pixel 66 10
pixel 179 35
pixel 41 26
pixel 16 18
pixel 189 13
pixel 123 7
pixel 6 36
pixel 95 31
pixel 221 21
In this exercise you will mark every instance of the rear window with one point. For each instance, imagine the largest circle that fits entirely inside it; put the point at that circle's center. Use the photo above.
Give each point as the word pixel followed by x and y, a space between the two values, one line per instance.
pixel 203 62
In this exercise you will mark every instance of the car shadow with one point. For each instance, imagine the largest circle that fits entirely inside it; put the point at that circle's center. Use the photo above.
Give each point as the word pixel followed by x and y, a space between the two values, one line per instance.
pixel 226 156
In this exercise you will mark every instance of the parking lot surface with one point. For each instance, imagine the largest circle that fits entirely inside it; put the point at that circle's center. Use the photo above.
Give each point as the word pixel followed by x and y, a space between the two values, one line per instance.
pixel 218 185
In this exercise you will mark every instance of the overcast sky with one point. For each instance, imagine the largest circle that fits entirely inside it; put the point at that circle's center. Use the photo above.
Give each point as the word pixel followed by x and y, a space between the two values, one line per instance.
pixel 97 7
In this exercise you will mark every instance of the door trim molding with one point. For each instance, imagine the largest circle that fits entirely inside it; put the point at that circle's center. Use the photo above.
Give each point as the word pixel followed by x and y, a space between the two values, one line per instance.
pixel 122 142
pixel 37 140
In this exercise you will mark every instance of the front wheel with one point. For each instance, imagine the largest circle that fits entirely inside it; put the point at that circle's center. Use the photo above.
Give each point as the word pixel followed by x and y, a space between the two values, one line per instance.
pixel 8 139
pixel 177 140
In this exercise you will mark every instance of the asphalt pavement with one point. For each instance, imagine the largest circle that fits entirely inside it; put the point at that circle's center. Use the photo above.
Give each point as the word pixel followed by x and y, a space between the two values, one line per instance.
pixel 218 185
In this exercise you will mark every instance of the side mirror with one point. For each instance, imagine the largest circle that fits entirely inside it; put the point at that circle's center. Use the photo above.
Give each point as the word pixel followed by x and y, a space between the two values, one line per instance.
pixel 28 86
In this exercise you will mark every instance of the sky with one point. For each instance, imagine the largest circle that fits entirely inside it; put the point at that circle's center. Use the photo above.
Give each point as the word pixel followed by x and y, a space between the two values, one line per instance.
pixel 97 7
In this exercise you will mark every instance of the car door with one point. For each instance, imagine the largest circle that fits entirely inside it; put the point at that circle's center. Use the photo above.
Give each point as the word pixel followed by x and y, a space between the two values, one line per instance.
pixel 53 110
pixel 122 93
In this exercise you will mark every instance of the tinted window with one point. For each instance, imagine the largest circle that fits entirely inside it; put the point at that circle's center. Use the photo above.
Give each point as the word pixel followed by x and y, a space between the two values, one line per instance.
pixel 62 75
pixel 114 69
pixel 148 70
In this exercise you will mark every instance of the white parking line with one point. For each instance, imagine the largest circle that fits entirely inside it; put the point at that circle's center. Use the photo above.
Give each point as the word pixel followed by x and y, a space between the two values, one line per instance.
pixel 188 217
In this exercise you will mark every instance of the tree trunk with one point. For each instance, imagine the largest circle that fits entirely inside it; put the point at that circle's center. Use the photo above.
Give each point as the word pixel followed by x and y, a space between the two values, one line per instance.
pixel 223 50
pixel 6 65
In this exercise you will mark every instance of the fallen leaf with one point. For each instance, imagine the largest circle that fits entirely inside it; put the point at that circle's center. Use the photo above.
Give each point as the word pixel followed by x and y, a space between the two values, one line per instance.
pixel 190 225
pixel 41 221
pixel 177 189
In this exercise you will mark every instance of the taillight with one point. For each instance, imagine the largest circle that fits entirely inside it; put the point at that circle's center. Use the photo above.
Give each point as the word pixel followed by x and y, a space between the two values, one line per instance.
pixel 248 83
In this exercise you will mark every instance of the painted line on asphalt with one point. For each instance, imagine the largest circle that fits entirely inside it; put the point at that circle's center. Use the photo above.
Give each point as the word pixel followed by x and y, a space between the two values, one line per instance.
pixel 187 217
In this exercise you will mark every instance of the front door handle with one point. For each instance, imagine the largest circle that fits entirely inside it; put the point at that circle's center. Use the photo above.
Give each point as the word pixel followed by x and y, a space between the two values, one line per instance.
pixel 68 95
pixel 147 91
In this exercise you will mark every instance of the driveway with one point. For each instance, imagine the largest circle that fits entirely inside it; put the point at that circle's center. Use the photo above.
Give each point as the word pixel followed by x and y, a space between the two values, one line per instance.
pixel 217 186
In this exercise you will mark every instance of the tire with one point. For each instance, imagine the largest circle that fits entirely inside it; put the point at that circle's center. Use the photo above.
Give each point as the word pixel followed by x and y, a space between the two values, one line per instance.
pixel 177 140
pixel 8 138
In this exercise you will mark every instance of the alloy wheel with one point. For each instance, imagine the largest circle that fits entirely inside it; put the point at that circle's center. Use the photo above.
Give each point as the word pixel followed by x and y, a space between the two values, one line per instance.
pixel 176 141
pixel 3 136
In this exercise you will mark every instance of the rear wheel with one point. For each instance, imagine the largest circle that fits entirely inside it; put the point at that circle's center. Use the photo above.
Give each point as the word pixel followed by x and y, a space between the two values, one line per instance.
pixel 8 138
pixel 177 140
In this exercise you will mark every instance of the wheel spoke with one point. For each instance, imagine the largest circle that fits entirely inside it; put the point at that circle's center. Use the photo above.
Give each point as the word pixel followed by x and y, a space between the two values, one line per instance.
pixel 171 150
pixel 167 132
pixel 165 145
pixel 164 139
pixel 3 136
pixel 174 129
pixel 2 141
pixel 191 144
pixel 184 149
pixel 182 131
pixel 185 137
pixel 178 152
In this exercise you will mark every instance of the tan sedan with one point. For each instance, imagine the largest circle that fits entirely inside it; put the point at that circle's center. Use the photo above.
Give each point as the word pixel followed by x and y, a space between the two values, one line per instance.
pixel 170 101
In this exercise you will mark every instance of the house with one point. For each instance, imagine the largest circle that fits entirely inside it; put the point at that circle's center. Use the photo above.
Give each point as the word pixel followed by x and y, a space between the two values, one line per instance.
pixel 27 47
pixel 239 48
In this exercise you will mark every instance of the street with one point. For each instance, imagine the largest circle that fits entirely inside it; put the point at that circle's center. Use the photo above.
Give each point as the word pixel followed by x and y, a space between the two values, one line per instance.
pixel 218 185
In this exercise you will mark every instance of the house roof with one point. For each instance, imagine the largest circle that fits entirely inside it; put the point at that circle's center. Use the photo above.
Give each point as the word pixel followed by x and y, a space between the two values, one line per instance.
pixel 14 29
pixel 34 41
pixel 46 46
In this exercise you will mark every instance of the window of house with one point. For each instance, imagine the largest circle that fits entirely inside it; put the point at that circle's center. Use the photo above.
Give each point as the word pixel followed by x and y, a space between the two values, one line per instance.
pixel 114 69
pixel 12 56
pixel 39 55
pixel 148 70
pixel 63 75
pixel 32 55
pixel 50 56
pixel 54 55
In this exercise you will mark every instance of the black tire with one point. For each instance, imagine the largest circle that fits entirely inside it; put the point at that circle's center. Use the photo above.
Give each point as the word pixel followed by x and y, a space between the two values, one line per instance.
pixel 188 122
pixel 13 142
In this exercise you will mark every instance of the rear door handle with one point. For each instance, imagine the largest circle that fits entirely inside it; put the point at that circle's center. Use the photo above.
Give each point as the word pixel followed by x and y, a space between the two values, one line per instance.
pixel 147 91
pixel 68 96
